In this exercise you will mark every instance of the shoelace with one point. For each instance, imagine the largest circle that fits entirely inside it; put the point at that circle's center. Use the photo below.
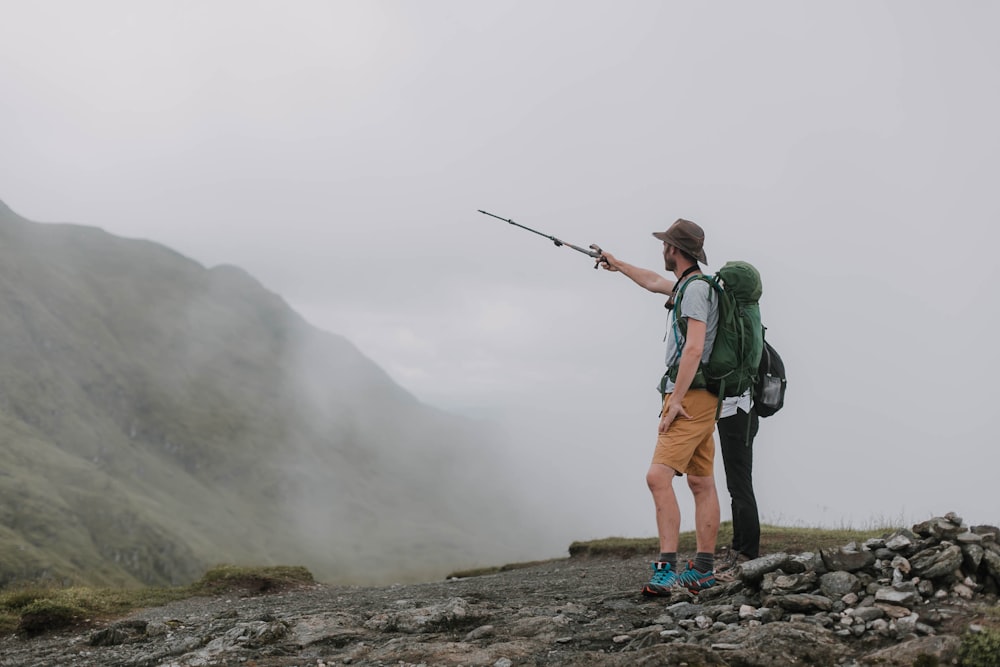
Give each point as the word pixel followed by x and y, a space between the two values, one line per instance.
pixel 662 576
pixel 729 561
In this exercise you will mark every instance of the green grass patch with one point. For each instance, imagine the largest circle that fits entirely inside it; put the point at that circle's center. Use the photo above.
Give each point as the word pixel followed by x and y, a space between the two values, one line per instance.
pixel 773 539
pixel 980 649
pixel 224 578
pixel 8 622
pixel 37 610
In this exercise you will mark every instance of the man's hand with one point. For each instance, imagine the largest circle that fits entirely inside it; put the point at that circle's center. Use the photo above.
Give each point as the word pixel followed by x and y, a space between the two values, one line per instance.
pixel 674 411
pixel 608 261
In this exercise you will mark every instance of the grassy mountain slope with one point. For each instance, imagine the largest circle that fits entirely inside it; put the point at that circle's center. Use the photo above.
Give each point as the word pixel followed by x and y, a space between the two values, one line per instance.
pixel 157 417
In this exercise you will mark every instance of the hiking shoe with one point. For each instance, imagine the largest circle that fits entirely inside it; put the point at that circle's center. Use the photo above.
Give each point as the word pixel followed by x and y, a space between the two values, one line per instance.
pixel 728 560
pixel 663 580
pixel 731 567
pixel 694 580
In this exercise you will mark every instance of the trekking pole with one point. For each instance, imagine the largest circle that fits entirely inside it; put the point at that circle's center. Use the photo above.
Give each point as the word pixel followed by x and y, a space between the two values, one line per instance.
pixel 595 250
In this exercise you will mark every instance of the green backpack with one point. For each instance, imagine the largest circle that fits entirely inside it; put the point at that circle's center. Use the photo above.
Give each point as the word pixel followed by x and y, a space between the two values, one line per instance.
pixel 732 366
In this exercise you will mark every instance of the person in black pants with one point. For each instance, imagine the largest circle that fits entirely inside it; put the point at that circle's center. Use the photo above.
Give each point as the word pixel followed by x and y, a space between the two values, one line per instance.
pixel 737 429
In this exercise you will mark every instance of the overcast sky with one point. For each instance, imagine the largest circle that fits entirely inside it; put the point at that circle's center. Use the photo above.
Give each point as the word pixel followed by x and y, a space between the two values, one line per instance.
pixel 339 151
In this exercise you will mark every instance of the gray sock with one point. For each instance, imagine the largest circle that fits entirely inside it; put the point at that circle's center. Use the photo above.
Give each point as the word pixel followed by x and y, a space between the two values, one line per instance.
pixel 669 558
pixel 704 562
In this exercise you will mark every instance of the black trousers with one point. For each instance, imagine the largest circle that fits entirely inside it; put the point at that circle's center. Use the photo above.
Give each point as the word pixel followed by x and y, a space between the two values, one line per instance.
pixel 737 457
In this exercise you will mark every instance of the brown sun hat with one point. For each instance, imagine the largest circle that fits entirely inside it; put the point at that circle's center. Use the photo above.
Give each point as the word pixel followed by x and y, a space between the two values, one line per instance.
pixel 687 236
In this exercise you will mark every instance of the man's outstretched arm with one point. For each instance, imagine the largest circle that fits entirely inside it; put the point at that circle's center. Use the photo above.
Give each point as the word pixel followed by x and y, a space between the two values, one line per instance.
pixel 650 280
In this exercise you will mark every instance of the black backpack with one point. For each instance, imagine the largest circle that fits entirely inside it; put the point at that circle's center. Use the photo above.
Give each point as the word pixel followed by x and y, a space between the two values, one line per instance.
pixel 769 392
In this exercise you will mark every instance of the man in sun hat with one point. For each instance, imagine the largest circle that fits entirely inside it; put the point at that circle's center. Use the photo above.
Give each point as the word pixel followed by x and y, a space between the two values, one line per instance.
pixel 685 444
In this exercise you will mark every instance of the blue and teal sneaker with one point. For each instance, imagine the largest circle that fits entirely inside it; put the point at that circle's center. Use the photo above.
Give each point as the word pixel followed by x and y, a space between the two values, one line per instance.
pixel 664 578
pixel 694 580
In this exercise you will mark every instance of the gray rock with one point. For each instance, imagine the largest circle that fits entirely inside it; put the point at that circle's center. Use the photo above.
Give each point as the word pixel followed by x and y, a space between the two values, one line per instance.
pixel 721 589
pixel 726 647
pixel 922 650
pixel 962 591
pixel 809 561
pixel 840 558
pixel 838 584
pixel 779 583
pixel 727 617
pixel 666 620
pixel 925 629
pixel 538 626
pixel 897 597
pixel 111 636
pixel 937 561
pixel 781 644
pixel 972 556
pixel 455 612
pixel 880 627
pixel 901 564
pixel 992 559
pixel 684 610
pixel 940 528
pixel 893 611
pixel 252 634
pixel 800 602
pixel 874 543
pixel 900 540
pixel 669 655
pixel 969 537
pixel 884 553
pixel 753 571
pixel 481 632
pixel 987 531
pixel 157 629
pixel 866 614
pixel 715 610
pixel 325 628
pixel 769 615
pixel 794 583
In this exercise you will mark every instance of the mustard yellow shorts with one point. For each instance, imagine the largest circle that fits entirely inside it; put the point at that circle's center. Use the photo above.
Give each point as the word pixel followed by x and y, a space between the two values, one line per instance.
pixel 688 446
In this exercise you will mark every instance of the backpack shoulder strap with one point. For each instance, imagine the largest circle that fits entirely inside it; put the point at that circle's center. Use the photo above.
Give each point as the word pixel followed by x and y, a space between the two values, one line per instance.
pixel 711 280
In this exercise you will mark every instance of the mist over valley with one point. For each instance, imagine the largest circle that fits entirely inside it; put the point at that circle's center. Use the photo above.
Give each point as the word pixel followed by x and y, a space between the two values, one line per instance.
pixel 158 417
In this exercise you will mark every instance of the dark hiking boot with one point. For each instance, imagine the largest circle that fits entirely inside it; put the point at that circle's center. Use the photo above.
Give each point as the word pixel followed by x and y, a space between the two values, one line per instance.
pixel 731 566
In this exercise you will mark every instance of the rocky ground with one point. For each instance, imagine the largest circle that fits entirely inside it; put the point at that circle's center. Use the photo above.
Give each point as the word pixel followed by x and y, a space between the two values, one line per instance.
pixel 903 600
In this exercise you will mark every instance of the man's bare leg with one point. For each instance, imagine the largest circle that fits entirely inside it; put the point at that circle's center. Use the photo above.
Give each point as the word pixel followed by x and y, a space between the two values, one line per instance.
pixel 706 512
pixel 660 479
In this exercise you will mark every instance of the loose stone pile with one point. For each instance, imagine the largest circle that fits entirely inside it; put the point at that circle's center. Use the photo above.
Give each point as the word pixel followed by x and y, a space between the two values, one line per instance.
pixel 881 587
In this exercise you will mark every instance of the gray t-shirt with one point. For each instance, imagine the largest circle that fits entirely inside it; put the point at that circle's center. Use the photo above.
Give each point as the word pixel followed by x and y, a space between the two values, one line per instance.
pixel 700 303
